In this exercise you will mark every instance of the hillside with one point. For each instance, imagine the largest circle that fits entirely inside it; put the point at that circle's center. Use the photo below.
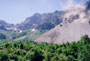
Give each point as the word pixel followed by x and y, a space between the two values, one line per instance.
pixel 76 23
pixel 5 26
pixel 44 21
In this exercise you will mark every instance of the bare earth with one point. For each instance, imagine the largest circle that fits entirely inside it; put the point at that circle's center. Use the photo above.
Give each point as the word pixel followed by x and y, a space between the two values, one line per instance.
pixel 69 30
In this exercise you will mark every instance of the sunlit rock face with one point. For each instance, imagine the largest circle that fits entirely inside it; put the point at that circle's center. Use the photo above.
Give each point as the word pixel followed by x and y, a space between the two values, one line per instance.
pixel 76 23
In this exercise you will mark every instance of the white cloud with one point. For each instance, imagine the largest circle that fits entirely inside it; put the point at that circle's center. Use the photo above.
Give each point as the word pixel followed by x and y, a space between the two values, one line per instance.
pixel 66 4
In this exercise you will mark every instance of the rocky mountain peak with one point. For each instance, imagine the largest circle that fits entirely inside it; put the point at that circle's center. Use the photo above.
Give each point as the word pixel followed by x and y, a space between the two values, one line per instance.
pixel 36 14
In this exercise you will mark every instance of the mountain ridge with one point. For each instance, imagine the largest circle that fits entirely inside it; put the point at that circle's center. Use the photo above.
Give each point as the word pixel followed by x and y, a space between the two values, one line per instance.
pixel 37 20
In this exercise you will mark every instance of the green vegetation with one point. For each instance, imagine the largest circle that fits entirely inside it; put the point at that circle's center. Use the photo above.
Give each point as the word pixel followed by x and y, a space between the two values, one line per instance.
pixel 2 36
pixel 9 36
pixel 26 50
pixel 34 34
pixel 18 35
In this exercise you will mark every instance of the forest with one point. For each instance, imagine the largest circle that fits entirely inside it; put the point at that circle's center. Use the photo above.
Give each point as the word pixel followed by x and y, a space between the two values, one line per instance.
pixel 27 50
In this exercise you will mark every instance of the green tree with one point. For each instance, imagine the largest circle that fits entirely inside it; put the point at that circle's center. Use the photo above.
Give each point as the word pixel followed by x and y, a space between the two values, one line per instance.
pixel 4 55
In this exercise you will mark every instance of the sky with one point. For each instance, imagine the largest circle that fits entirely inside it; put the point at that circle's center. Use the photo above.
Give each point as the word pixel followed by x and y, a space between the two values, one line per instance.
pixel 16 11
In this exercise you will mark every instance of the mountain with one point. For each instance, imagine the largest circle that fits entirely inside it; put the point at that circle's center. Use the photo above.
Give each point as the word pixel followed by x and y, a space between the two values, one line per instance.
pixel 88 5
pixel 5 26
pixel 76 23
pixel 61 26
pixel 45 21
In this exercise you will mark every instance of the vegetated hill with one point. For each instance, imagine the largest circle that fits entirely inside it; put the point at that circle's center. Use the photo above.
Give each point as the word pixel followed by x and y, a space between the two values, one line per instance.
pixel 27 34
pixel 76 23
pixel 39 22
pixel 45 21
pixel 34 34
pixel 7 35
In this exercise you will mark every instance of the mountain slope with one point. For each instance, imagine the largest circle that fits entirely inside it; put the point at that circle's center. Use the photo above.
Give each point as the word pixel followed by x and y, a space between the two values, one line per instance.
pixel 42 21
pixel 4 25
pixel 76 23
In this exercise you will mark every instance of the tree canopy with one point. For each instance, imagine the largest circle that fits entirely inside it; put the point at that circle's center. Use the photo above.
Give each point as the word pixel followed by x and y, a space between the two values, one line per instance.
pixel 26 50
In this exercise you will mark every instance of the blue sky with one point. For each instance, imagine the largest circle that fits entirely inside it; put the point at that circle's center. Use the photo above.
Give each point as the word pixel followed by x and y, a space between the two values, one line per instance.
pixel 16 11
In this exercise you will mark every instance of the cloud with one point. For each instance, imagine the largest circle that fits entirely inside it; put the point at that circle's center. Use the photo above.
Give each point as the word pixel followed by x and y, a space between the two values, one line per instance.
pixel 64 4
pixel 67 4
